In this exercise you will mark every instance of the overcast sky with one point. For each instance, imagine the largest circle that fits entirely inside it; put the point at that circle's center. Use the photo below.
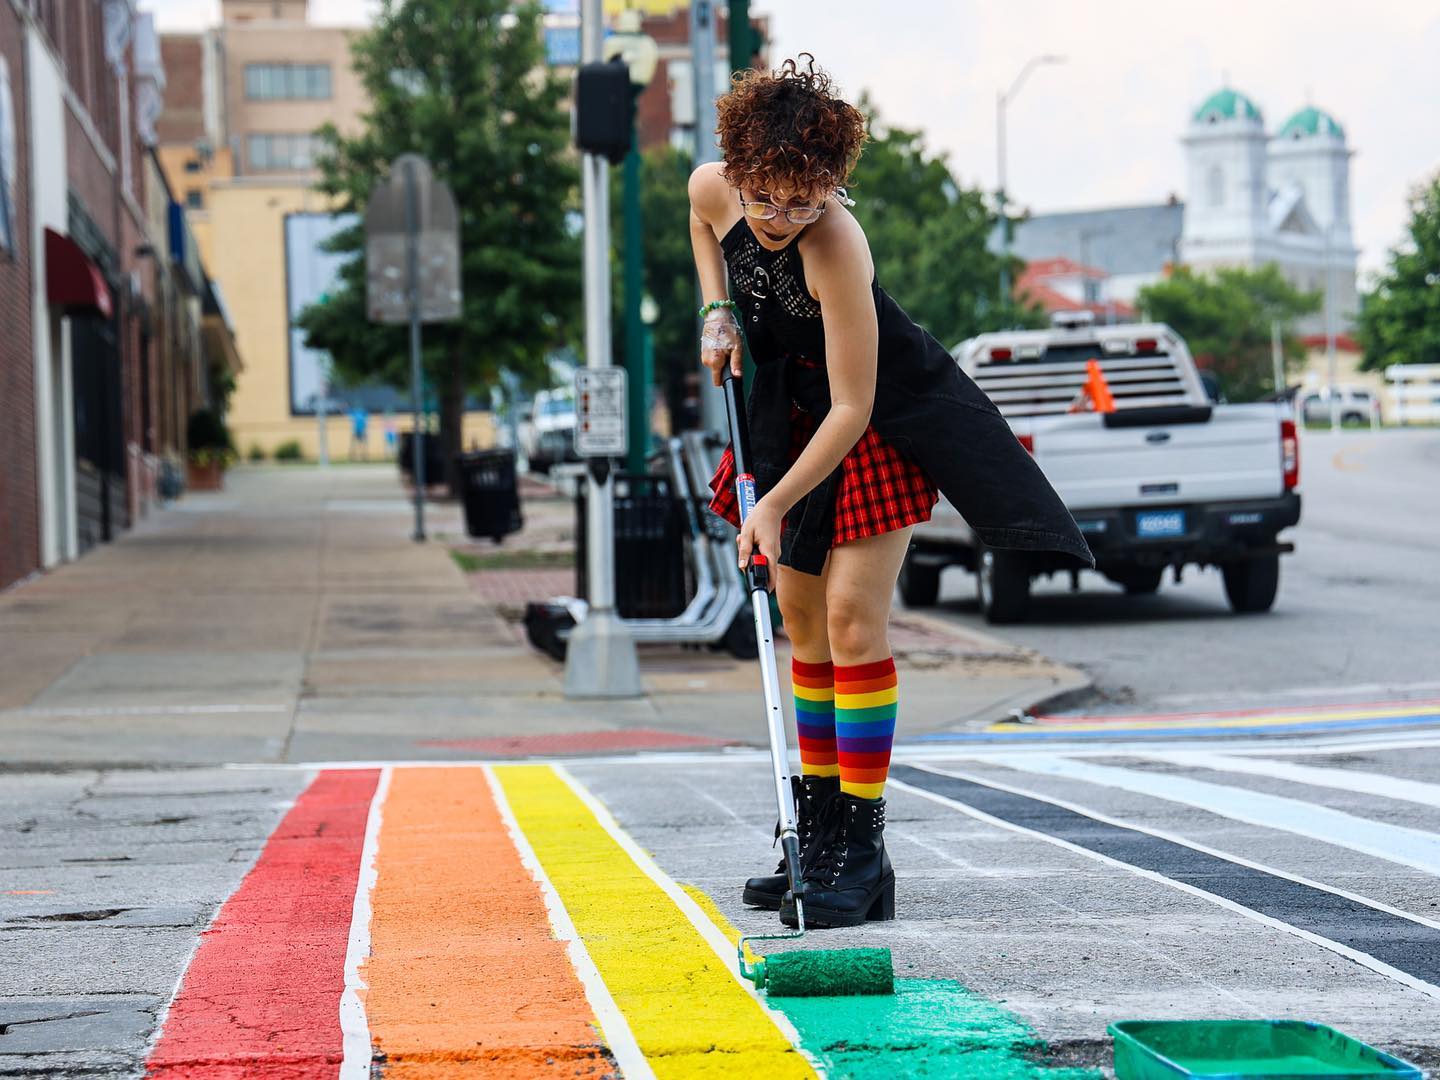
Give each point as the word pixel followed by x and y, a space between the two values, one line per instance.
pixel 1102 129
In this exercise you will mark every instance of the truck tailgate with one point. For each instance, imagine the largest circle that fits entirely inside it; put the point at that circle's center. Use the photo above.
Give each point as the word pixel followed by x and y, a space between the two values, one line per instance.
pixel 1235 454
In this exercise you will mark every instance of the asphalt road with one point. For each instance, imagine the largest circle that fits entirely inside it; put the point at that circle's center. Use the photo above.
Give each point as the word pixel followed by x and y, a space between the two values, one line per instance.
pixel 1064 887
pixel 1356 618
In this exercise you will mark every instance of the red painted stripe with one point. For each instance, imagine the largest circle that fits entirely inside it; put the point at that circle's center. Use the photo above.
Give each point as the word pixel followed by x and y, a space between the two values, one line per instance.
pixel 262 994
pixel 578 742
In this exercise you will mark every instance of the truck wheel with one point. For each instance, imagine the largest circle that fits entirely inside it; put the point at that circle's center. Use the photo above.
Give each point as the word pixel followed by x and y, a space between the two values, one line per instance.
pixel 1250 586
pixel 1002 585
pixel 1141 581
pixel 919 582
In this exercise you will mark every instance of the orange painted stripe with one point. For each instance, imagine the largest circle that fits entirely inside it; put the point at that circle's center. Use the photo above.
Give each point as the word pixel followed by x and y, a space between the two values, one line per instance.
pixel 465 976
pixel 865 686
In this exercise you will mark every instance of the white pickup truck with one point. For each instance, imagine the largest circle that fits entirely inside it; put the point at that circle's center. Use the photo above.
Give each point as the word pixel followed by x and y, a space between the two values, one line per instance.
pixel 1166 480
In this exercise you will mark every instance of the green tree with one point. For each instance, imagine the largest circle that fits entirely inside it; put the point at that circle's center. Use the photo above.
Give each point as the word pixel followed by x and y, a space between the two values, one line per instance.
pixel 464 83
pixel 928 236
pixel 1225 319
pixel 1400 317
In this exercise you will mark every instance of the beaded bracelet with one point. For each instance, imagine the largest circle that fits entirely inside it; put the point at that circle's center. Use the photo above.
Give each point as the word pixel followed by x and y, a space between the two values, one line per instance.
pixel 716 305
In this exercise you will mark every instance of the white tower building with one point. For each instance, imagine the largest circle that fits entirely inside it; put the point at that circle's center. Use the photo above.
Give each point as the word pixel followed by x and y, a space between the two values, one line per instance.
pixel 1225 208
pixel 1254 199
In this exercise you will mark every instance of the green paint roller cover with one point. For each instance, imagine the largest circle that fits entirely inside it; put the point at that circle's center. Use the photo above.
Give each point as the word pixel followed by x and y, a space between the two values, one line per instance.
pixel 829 973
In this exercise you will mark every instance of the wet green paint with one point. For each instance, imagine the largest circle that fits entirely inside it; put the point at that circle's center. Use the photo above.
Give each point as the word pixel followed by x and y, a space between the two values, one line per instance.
pixel 930 1028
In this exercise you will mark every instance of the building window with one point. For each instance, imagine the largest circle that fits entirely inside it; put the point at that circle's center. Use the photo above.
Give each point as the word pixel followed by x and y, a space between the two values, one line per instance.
pixel 193 165
pixel 1215 186
pixel 282 153
pixel 287 82
pixel 195 199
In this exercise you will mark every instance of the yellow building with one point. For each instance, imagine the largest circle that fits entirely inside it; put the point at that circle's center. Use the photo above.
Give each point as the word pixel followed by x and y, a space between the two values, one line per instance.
pixel 242 103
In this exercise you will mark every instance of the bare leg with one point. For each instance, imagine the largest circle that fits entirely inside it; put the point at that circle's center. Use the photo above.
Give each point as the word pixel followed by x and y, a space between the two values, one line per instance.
pixel 802 604
pixel 860 582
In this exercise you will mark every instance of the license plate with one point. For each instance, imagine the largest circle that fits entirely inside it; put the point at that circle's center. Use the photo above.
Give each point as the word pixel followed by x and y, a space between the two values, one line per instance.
pixel 1157 523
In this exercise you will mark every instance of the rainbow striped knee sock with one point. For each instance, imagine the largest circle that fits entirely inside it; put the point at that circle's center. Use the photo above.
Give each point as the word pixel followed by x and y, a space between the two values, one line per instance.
pixel 815 716
pixel 866 701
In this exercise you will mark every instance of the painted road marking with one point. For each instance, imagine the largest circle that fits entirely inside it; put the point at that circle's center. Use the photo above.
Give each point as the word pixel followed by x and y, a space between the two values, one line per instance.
pixel 1293 720
pixel 354 1024
pixel 265 983
pixel 930 1027
pixel 464 975
pixel 1361 783
pixel 660 969
pixel 1399 945
pixel 618 1035
pixel 1394 843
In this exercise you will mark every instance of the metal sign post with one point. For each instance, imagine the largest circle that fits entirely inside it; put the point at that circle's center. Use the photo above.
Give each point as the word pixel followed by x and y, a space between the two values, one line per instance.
pixel 600 660
pixel 412 274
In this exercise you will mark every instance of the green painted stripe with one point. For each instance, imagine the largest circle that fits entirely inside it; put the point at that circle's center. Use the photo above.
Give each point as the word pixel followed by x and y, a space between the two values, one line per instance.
pixel 931 1027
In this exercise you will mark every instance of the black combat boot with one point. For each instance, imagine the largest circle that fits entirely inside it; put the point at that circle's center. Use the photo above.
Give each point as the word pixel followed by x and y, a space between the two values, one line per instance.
pixel 850 880
pixel 812 796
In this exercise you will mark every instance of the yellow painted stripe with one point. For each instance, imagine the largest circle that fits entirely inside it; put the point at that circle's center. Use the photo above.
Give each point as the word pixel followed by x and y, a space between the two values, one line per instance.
pixel 1225 722
pixel 689 1015
pixel 867 701
pixel 812 694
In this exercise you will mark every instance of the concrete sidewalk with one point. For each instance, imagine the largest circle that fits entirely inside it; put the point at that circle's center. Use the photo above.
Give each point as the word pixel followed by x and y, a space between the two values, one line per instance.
pixel 292 618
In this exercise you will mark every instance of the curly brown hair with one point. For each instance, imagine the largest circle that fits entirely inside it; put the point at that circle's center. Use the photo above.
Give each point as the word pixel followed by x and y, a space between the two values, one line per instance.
pixel 788 126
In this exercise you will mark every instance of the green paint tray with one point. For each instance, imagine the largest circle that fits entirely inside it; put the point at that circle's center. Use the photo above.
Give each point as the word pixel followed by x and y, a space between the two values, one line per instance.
pixel 1247 1050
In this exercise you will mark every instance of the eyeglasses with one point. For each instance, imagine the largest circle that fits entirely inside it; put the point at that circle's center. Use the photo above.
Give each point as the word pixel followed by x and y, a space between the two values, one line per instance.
pixel 768 211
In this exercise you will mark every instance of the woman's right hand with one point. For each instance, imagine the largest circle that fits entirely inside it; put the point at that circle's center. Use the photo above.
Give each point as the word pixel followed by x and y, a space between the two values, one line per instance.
pixel 720 344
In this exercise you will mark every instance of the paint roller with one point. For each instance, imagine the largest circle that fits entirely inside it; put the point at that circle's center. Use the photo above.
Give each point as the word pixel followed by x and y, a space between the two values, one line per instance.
pixel 809 972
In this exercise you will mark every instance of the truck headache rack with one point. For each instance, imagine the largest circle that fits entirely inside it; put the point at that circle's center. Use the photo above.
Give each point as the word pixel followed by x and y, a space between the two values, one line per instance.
pixel 1027 376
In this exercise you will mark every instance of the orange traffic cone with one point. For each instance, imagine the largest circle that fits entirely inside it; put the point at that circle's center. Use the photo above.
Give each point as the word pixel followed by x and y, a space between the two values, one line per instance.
pixel 1095 395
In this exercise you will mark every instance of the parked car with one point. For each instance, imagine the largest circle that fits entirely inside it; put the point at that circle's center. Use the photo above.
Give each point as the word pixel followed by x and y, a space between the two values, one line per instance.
pixel 1168 479
pixel 548 434
pixel 1358 405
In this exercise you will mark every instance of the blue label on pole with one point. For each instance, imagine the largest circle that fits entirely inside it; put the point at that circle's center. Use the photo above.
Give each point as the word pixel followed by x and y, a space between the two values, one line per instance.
pixel 745 488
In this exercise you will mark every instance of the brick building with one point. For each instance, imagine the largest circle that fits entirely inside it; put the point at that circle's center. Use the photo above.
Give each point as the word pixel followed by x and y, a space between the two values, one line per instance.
pixel 19 482
pixel 88 401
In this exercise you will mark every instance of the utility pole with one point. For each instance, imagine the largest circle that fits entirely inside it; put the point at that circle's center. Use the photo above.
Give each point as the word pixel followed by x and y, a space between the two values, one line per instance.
pixel 702 62
pixel 1277 359
pixel 1002 195
pixel 1331 361
pixel 600 660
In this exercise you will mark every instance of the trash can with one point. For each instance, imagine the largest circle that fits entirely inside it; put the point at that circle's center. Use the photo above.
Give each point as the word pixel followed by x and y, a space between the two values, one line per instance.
pixel 651 531
pixel 434 459
pixel 490 489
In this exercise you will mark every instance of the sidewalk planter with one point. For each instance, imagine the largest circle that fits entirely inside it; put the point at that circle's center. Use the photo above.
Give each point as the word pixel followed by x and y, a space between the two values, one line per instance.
pixel 205 475
pixel 1247 1050
pixel 490 488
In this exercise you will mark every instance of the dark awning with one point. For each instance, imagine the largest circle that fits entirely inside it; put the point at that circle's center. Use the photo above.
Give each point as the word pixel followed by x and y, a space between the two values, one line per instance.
pixel 72 280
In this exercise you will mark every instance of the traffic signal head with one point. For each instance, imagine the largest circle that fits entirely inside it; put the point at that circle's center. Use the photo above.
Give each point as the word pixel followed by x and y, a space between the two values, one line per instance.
pixel 605 110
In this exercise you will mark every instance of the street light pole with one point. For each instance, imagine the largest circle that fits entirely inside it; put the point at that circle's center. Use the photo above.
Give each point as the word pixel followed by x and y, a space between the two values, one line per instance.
pixel 1002 101
pixel 600 660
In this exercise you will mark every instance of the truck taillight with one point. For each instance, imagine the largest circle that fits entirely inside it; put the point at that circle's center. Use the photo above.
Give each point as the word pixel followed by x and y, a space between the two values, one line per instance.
pixel 1000 354
pixel 1289 454
pixel 1028 442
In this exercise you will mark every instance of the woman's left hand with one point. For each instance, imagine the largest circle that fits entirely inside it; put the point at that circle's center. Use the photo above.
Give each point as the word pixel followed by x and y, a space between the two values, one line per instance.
pixel 761 531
